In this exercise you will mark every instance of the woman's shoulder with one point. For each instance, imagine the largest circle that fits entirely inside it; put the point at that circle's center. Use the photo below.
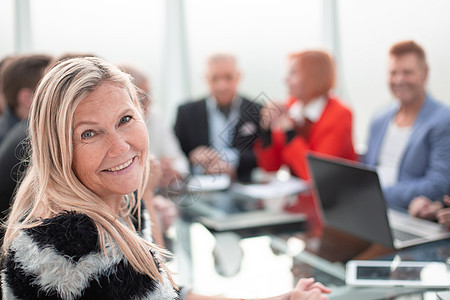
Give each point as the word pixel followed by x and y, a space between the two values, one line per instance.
pixel 70 234
pixel 338 105
pixel 337 111
pixel 62 257
pixel 45 256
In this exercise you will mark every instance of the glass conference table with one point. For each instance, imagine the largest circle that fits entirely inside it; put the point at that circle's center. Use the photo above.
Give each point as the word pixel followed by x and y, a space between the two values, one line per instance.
pixel 256 262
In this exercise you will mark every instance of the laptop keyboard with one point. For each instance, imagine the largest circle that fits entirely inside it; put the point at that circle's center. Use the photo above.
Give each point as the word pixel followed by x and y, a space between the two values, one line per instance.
pixel 401 235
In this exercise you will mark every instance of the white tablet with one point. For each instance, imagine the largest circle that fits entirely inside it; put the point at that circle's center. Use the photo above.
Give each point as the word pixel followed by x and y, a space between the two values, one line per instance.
pixel 397 273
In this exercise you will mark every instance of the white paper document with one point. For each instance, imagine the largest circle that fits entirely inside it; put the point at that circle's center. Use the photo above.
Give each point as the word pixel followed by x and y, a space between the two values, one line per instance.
pixel 273 189
pixel 206 183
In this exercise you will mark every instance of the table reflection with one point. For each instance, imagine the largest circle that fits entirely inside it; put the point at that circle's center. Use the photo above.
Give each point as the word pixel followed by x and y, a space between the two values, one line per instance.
pixel 265 263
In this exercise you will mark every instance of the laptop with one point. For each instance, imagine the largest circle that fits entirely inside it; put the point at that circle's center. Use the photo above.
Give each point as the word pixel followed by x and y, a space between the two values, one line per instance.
pixel 352 201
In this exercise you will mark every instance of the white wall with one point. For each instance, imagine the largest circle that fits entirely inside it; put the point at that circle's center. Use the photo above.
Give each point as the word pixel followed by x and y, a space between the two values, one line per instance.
pixel 123 32
pixel 260 32
pixel 6 27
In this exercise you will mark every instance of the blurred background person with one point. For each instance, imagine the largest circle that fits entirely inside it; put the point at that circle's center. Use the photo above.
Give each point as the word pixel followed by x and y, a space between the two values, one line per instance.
pixel 217 132
pixel 311 120
pixel 409 142
pixel 20 77
pixel 19 80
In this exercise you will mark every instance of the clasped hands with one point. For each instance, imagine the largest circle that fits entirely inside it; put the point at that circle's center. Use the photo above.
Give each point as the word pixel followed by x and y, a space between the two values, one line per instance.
pixel 211 161
pixel 307 289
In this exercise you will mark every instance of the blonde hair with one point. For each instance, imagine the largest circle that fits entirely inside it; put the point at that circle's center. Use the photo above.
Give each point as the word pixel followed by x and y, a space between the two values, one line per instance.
pixel 50 186
pixel 319 70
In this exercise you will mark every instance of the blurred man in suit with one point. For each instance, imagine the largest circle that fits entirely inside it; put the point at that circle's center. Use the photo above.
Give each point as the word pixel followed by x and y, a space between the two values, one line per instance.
pixel 217 132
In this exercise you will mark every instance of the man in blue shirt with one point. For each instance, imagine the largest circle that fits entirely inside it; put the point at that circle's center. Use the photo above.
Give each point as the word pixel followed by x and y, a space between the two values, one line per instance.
pixel 410 140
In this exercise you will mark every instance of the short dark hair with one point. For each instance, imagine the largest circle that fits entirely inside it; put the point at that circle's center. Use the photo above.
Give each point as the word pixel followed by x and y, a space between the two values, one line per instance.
pixel 406 47
pixel 22 72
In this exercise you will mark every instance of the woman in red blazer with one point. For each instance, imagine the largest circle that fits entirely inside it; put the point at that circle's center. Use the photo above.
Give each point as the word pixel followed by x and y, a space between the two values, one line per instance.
pixel 311 120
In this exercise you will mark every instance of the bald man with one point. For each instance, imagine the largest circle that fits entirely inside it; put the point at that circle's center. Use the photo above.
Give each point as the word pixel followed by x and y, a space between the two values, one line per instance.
pixel 217 132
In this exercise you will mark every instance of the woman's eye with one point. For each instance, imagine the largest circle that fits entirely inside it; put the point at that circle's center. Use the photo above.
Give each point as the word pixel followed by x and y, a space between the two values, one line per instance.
pixel 87 135
pixel 125 119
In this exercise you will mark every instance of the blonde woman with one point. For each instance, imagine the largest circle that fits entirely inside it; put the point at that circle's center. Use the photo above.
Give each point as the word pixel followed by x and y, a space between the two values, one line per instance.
pixel 70 233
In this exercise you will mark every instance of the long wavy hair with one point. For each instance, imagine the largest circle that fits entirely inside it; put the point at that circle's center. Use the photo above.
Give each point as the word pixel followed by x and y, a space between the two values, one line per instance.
pixel 51 187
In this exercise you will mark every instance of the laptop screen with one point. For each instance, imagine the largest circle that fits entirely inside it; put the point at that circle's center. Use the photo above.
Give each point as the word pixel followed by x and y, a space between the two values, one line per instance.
pixel 351 198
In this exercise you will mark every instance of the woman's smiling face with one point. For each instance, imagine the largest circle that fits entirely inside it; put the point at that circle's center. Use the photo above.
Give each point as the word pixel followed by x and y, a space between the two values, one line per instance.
pixel 110 143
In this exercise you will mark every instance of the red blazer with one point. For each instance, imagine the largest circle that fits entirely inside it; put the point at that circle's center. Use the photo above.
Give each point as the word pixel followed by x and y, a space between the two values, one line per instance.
pixel 331 134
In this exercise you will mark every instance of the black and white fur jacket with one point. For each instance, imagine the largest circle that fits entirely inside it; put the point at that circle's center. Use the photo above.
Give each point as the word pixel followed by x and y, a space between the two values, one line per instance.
pixel 62 259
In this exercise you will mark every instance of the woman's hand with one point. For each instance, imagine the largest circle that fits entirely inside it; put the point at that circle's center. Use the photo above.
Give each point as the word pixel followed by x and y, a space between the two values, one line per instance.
pixel 273 116
pixel 307 289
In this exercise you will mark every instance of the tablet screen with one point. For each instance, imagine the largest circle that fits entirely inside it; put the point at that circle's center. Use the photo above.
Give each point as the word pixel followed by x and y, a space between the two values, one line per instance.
pixel 385 273
pixel 394 273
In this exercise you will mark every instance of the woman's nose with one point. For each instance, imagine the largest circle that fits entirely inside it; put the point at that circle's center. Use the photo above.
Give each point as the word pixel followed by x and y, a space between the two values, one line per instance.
pixel 117 145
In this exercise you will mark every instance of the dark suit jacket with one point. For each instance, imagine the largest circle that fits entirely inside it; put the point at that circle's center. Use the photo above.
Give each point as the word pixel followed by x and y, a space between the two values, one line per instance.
pixel 191 128
pixel 13 150
pixel 7 121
